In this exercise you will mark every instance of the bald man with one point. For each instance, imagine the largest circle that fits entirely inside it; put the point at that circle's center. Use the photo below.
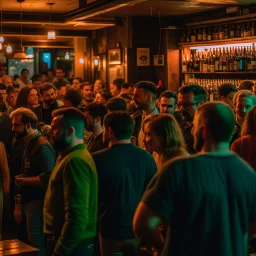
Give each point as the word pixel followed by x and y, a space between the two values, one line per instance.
pixel 207 200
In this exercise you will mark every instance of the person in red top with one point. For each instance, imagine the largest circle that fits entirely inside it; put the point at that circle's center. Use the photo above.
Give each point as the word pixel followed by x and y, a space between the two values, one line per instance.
pixel 245 146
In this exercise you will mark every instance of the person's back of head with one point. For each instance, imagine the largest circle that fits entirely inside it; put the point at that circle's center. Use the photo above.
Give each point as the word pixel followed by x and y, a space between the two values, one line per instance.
pixel 219 119
pixel 225 89
pixel 96 110
pixel 118 83
pixel 72 98
pixel 120 123
pixel 197 90
pixel 246 85
pixel 147 86
pixel 116 104
pixel 71 117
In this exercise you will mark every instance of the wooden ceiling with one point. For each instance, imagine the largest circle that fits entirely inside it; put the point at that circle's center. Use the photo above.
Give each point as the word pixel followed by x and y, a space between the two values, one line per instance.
pixel 71 18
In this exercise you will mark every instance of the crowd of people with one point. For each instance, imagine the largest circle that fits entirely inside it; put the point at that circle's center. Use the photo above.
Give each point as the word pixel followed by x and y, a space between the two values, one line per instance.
pixel 126 170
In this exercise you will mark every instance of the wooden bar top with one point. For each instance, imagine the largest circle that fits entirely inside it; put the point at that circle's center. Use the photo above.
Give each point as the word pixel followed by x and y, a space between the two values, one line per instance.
pixel 16 247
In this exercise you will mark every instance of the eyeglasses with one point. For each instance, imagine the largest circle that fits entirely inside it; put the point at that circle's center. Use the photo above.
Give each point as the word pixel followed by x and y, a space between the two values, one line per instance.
pixel 167 106
pixel 187 105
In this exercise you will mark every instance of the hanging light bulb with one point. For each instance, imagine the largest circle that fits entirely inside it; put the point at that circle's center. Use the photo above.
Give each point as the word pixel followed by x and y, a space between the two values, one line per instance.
pixel 21 54
pixel 51 34
pixel 9 49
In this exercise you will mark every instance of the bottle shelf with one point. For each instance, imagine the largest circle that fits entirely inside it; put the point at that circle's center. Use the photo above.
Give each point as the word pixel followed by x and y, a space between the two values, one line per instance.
pixel 224 41
pixel 222 73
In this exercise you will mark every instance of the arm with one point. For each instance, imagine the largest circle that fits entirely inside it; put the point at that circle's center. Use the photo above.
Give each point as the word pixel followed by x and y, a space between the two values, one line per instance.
pixel 146 225
pixel 46 161
pixel 76 188
pixel 4 170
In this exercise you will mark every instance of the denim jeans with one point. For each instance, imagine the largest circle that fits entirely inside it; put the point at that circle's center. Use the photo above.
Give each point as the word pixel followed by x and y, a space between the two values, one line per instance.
pixel 34 219
pixel 81 250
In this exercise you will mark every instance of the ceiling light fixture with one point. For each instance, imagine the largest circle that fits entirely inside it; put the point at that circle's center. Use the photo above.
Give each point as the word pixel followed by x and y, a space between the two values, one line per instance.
pixel 51 34
pixel 21 54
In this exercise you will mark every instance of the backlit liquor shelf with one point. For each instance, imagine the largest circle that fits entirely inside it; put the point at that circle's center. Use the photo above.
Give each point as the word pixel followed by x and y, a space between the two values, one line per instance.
pixel 220 59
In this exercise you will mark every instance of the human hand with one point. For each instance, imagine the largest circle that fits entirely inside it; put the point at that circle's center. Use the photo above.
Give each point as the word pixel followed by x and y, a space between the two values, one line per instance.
pixel 17 214
pixel 6 188
pixel 20 181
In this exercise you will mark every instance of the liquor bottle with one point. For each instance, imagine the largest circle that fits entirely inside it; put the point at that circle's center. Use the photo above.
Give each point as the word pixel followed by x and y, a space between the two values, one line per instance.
pixel 249 28
pixel 231 31
pixel 246 30
pixel 226 34
pixel 212 62
pixel 204 35
pixel 199 35
pixel 231 59
pixel 188 36
pixel 245 58
pixel 196 63
pixel 205 64
pixel 184 65
pixel 220 60
pixel 209 35
pixel 183 37
pixel 224 60
pixel 201 62
pixel 221 33
pixel 241 60
pixel 193 36
pixel 235 60
pixel 216 61
pixel 242 30
pixel 249 59
pixel 253 29
pixel 253 62
pixel 209 60
pixel 192 63
pixel 238 30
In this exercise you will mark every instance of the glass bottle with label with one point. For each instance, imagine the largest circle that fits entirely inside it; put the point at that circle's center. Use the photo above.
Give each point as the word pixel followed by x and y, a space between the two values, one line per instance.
pixel 205 63
pixel 253 29
pixel 184 65
pixel 231 31
pixel 224 60
pixel 242 30
pixel 196 63
pixel 238 30
pixel 188 36
pixel 235 60
pixel 199 35
pixel 221 33
pixel 209 35
pixel 193 35
pixel 204 35
pixel 253 61
pixel 216 61
pixel 246 30
pixel 226 34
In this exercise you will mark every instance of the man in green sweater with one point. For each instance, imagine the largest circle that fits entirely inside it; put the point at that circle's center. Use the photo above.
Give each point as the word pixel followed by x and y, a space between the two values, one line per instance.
pixel 70 208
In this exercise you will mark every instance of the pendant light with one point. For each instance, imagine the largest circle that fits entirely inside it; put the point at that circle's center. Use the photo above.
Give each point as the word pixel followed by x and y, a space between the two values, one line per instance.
pixel 21 54
pixel 51 34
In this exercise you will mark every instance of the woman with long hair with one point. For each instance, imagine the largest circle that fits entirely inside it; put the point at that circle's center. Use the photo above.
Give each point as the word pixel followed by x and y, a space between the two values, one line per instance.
pixel 245 146
pixel 28 97
pixel 163 137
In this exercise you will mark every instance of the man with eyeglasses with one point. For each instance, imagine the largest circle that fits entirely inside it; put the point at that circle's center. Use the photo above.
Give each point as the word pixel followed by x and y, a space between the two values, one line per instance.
pixel 189 98
pixel 38 160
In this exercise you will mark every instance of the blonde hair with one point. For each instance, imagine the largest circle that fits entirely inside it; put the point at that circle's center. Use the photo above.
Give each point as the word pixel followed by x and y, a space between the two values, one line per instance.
pixel 165 126
pixel 249 126
pixel 244 93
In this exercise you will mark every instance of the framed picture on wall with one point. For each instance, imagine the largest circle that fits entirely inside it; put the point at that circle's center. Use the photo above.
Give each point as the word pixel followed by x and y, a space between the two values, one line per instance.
pixel 158 60
pixel 143 57
pixel 114 57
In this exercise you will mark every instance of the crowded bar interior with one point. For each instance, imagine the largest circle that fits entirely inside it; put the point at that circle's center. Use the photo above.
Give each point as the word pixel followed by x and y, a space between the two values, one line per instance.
pixel 128 127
